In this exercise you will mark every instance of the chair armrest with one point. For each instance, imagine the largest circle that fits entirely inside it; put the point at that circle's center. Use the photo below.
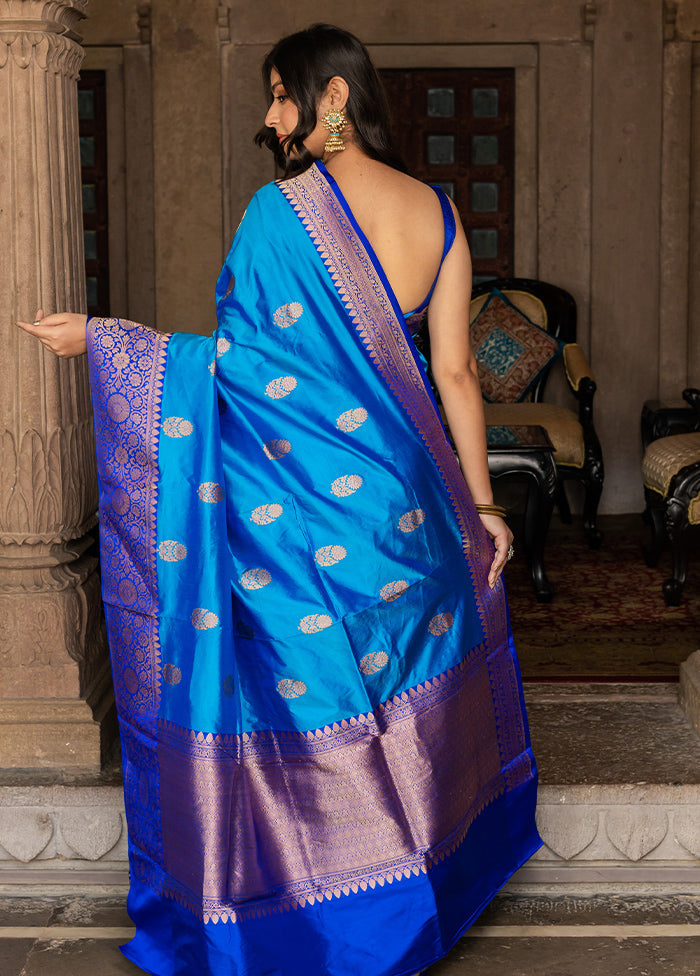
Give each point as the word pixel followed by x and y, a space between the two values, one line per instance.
pixel 580 378
pixel 692 396
pixel 576 365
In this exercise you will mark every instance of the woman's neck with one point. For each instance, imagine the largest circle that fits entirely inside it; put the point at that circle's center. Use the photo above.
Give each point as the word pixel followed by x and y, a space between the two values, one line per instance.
pixel 352 155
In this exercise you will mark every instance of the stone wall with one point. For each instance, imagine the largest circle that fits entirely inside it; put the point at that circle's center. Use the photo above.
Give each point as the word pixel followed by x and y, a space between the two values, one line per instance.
pixel 607 144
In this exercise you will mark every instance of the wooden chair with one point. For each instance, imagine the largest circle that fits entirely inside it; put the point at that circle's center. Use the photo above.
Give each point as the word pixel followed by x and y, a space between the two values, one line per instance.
pixel 671 473
pixel 578 454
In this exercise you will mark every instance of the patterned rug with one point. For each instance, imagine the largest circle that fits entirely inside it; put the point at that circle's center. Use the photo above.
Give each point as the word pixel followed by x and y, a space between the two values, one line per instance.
pixel 608 620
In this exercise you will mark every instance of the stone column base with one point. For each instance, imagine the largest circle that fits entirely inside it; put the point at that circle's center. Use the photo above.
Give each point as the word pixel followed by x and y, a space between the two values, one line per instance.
pixel 689 691
pixel 56 696
pixel 62 733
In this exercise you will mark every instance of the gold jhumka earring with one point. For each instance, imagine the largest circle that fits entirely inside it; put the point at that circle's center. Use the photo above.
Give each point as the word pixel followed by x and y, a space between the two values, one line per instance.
pixel 335 122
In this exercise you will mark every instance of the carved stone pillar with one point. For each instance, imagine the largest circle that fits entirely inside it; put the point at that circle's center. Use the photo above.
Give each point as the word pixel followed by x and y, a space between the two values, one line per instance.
pixel 55 697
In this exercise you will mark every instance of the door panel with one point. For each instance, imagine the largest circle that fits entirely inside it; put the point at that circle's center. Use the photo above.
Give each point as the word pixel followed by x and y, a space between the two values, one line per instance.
pixel 455 127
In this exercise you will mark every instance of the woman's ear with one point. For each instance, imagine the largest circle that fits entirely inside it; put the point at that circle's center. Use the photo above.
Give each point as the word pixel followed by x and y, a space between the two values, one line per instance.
pixel 337 93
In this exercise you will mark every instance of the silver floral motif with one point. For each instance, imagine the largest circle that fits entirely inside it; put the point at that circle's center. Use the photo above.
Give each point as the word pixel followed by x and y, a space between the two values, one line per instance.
pixel 280 387
pixel 177 427
pixel 255 579
pixel 210 492
pixel 172 675
pixel 171 551
pixel 203 619
pixel 277 448
pixel 265 514
pixel 314 622
pixel 351 419
pixel 346 485
pixel 411 520
pixel 373 662
pixel 440 624
pixel 287 315
pixel 330 555
pixel 291 688
pixel 392 591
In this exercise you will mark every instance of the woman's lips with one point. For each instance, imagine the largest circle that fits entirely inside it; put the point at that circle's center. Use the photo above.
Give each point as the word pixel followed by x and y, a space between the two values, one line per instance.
pixel 281 136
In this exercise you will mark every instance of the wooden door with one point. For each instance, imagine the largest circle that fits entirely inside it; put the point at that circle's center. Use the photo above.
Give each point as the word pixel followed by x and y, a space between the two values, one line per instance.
pixel 455 127
pixel 92 116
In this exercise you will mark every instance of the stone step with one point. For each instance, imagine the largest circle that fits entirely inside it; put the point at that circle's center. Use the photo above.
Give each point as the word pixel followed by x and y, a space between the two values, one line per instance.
pixel 619 798
pixel 521 935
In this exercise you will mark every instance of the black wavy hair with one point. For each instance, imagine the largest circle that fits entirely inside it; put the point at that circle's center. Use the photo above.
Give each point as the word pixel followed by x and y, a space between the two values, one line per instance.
pixel 306 62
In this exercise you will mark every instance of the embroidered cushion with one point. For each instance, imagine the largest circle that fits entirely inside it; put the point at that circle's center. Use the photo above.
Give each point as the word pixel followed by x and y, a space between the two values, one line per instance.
pixel 664 458
pixel 561 424
pixel 511 351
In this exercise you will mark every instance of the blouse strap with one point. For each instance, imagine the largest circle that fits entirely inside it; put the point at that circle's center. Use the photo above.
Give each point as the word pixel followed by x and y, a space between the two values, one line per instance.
pixel 448 217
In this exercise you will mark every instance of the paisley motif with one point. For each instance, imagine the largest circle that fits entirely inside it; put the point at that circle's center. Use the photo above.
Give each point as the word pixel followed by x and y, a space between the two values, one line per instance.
pixel 393 590
pixel 287 315
pixel 172 675
pixel 351 419
pixel 440 624
pixel 255 579
pixel 212 368
pixel 411 520
pixel 228 686
pixel 177 427
pixel 281 387
pixel 203 619
pixel 373 662
pixel 330 555
pixel 314 622
pixel 265 514
pixel 276 449
pixel 171 551
pixel 210 492
pixel 291 688
pixel 346 485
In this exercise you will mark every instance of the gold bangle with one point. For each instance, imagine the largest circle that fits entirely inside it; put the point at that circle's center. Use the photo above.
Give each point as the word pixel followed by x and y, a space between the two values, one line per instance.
pixel 491 510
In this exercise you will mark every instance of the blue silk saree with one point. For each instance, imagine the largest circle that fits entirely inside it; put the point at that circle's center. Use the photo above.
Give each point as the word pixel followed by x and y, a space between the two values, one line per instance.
pixel 327 767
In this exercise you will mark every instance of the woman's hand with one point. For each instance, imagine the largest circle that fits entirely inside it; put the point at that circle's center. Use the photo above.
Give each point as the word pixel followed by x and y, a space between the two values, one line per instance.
pixel 502 540
pixel 62 333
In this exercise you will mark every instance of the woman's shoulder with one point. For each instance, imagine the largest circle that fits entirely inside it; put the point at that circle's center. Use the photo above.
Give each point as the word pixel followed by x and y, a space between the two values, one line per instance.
pixel 263 204
pixel 267 192
pixel 394 182
pixel 408 202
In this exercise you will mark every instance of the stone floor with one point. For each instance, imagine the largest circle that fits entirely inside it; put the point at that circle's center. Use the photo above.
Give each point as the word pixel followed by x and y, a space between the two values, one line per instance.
pixel 519 935
pixel 608 733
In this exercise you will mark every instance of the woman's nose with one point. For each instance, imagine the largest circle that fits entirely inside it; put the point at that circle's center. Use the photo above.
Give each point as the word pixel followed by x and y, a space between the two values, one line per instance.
pixel 271 116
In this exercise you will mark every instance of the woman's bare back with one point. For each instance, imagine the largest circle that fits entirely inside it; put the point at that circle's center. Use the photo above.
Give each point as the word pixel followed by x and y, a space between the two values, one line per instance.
pixel 401 218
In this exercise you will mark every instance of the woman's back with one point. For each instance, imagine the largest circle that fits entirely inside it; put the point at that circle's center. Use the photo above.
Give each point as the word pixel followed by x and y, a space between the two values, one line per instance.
pixel 401 218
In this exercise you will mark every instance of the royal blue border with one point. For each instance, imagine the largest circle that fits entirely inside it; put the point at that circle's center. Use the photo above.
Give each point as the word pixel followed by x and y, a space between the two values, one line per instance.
pixel 387 287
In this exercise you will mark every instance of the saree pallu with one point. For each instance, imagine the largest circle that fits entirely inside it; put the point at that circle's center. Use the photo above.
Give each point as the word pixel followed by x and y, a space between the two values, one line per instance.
pixel 327 767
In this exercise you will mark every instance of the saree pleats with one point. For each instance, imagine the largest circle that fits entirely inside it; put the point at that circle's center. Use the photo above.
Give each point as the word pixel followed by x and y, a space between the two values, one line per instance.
pixel 326 759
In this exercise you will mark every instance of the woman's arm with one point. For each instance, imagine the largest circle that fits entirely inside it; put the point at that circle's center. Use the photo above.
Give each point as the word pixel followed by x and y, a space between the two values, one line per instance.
pixel 454 368
pixel 63 333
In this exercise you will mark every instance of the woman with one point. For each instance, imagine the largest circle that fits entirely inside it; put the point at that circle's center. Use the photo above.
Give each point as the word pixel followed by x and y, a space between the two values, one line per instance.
pixel 326 760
